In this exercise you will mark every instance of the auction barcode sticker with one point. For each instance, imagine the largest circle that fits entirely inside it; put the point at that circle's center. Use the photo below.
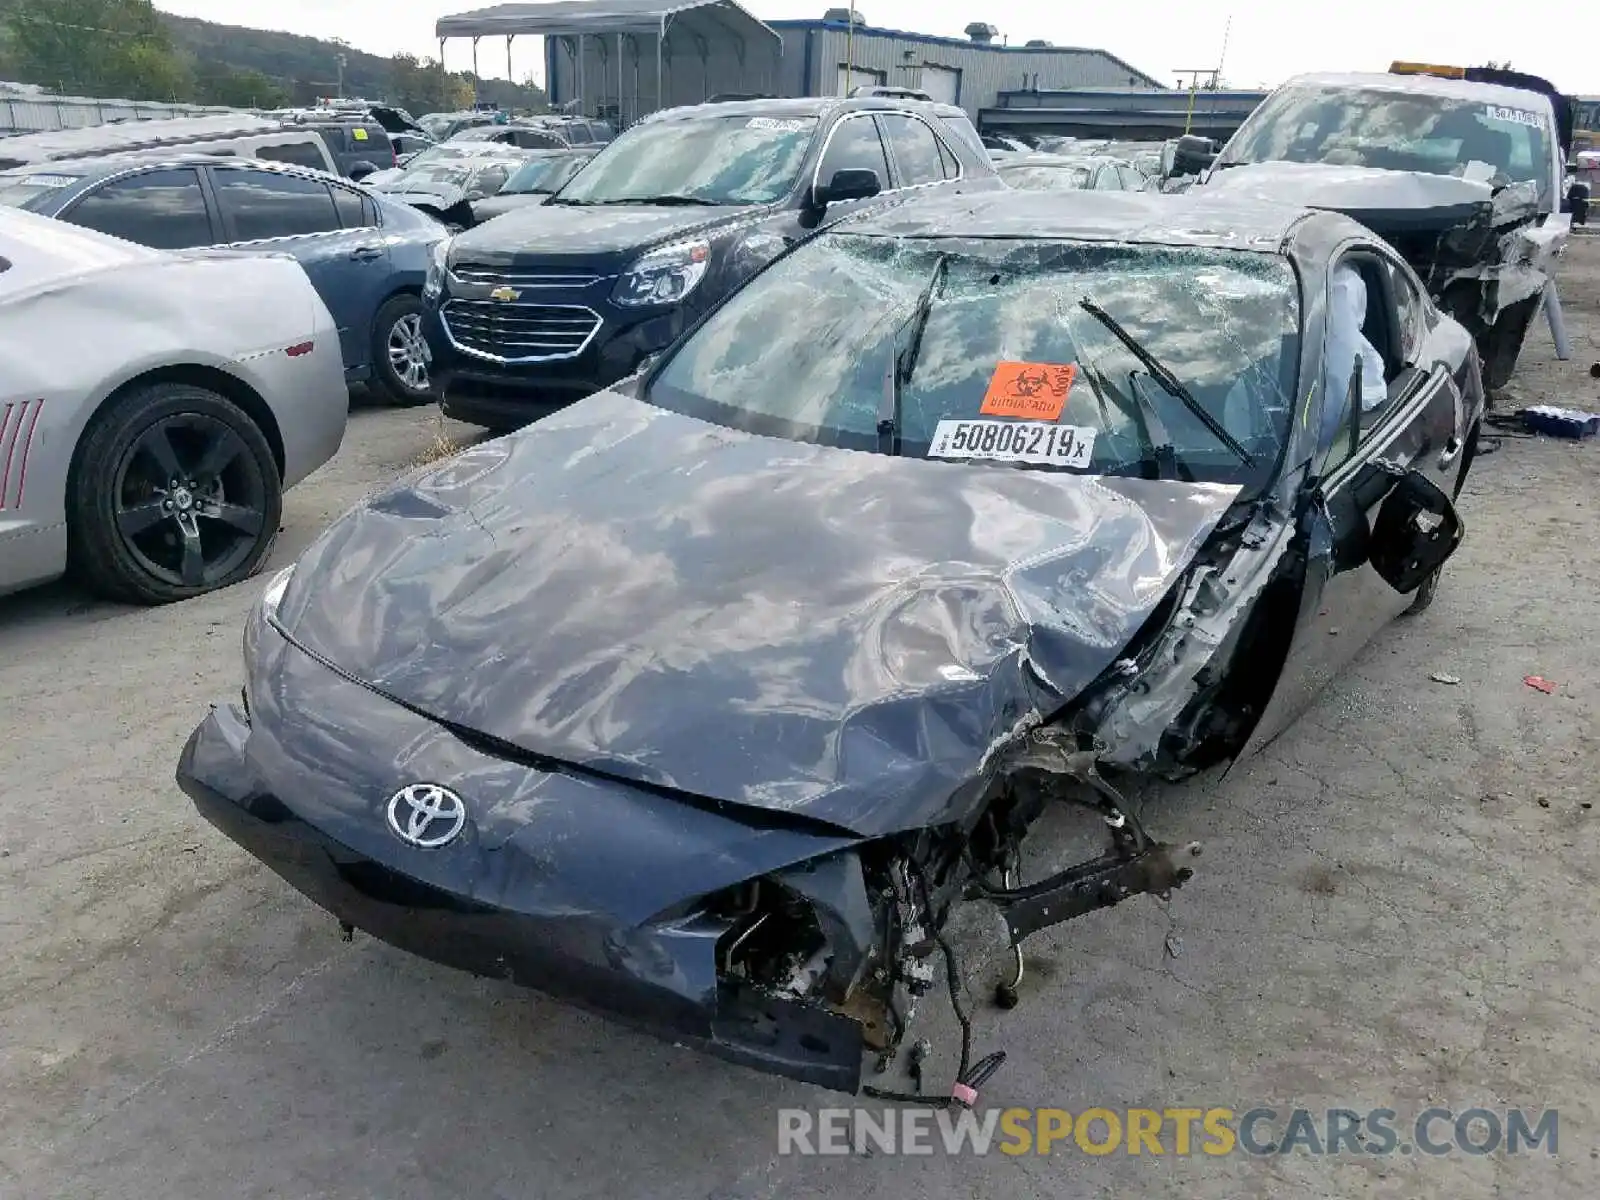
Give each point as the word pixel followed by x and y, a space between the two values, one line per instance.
pixel 1517 116
pixel 1043 443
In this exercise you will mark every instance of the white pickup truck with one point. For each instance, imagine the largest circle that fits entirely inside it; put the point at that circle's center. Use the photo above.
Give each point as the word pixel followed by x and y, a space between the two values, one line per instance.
pixel 1465 177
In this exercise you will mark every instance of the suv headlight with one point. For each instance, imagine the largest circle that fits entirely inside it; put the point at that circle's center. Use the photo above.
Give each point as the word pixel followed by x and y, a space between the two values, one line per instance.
pixel 663 276
pixel 438 269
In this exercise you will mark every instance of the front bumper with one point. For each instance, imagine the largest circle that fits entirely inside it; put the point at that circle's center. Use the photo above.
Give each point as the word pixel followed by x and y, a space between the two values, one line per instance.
pixel 517 907
pixel 484 384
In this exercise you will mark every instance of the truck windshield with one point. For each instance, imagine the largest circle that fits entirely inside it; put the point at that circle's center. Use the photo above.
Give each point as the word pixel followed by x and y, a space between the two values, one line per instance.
pixel 1399 131
pixel 999 357
pixel 706 160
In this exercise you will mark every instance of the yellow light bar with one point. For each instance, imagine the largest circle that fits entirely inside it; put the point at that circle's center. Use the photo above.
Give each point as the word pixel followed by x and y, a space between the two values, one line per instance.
pixel 1411 68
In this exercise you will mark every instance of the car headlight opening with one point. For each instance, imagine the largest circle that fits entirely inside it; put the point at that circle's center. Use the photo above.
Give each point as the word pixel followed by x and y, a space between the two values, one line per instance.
pixel 664 275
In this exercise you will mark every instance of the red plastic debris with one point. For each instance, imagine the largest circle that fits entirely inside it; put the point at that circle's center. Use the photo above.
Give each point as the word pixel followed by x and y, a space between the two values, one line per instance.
pixel 1539 684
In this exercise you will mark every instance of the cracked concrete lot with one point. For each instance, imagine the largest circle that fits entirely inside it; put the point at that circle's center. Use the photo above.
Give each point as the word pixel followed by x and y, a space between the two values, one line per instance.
pixel 1398 906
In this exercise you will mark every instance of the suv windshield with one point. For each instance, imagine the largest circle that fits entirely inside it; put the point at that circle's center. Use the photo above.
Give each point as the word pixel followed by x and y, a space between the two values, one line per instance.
pixel 543 174
pixel 1007 335
pixel 705 160
pixel 1397 131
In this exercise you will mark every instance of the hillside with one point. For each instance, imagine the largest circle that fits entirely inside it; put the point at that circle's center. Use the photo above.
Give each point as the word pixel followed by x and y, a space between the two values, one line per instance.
pixel 129 50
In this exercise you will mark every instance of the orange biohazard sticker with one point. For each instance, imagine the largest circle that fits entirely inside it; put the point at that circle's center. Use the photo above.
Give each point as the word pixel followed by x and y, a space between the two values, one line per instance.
pixel 1037 391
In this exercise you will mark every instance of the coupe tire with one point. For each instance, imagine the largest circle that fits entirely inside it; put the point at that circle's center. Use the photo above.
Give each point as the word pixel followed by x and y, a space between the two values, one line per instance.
pixel 1425 593
pixel 399 360
pixel 175 494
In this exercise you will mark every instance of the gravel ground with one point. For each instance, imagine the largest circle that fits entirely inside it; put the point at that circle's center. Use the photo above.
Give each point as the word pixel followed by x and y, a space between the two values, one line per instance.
pixel 1398 906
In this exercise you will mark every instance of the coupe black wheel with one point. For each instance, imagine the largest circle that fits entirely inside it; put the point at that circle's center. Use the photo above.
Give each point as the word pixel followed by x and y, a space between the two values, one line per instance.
pixel 1425 593
pixel 399 353
pixel 176 493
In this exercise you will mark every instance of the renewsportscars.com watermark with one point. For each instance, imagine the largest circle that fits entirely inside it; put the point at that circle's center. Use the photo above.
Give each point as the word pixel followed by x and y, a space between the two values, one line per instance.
pixel 1167 1131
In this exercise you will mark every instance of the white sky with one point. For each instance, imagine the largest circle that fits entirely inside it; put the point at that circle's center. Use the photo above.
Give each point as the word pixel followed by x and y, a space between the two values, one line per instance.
pixel 1268 41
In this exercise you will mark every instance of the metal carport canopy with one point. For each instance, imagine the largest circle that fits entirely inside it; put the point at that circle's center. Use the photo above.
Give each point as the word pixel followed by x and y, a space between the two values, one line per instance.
pixel 701 20
pixel 706 17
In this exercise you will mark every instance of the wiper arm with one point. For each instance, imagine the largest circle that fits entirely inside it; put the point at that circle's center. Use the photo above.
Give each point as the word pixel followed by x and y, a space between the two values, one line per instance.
pixel 1168 381
pixel 902 364
pixel 668 200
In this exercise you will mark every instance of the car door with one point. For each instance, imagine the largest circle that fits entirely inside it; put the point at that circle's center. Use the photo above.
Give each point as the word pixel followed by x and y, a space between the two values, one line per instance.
pixel 297 214
pixel 166 208
pixel 1355 514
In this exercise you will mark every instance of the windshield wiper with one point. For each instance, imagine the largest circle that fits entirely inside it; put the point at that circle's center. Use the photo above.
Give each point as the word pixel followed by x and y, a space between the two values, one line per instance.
pixel 902 364
pixel 697 201
pixel 1168 381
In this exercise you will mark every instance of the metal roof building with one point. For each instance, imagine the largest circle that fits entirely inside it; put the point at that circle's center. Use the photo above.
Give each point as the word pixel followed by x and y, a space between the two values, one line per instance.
pixel 970 71
pixel 624 58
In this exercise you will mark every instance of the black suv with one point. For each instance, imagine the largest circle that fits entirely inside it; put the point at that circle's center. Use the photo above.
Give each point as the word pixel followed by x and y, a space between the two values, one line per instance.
pixel 536 309
pixel 360 146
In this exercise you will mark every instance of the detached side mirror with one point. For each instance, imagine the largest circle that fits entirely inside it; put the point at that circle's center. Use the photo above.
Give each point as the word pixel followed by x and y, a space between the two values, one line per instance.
pixel 848 183
pixel 1416 530
pixel 1192 155
pixel 1578 203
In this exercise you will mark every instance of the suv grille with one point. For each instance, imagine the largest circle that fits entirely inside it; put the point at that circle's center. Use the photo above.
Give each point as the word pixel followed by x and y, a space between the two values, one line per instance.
pixel 524 277
pixel 519 332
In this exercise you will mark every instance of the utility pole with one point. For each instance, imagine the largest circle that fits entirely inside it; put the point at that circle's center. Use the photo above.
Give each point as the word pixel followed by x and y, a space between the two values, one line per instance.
pixel 850 51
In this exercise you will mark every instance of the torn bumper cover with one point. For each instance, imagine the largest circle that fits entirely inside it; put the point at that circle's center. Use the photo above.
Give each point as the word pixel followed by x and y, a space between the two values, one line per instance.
pixel 521 910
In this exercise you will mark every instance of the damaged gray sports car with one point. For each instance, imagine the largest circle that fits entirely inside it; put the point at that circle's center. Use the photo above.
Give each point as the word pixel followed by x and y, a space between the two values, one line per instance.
pixel 705 701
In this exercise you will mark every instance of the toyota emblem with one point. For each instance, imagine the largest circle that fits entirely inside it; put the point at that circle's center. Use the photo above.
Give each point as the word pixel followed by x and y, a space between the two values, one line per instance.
pixel 427 815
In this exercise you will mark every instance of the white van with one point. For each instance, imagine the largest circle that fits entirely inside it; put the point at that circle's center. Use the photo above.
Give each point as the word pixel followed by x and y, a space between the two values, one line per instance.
pixel 230 134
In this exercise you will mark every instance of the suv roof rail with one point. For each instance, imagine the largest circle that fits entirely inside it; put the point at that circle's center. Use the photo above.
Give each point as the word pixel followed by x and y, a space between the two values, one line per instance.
pixel 735 97
pixel 900 93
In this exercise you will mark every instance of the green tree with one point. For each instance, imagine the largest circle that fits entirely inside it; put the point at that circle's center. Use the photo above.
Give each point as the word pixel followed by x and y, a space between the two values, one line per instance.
pixel 218 83
pixel 111 48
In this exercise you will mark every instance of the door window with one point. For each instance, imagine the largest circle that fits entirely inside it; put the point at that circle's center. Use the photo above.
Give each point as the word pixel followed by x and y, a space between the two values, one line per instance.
pixel 1132 181
pixel 1412 309
pixel 1105 180
pixel 266 204
pixel 355 211
pixel 1360 335
pixel 916 149
pixel 854 145
pixel 163 209
pixel 301 154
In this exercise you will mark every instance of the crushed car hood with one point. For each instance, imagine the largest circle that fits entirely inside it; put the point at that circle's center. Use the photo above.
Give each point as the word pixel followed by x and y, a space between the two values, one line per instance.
pixel 840 635
pixel 1385 201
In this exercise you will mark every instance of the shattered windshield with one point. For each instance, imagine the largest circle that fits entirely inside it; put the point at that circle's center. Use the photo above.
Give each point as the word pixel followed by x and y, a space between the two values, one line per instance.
pixel 543 174
pixel 1008 362
pixel 1040 177
pixel 706 160
pixel 1397 131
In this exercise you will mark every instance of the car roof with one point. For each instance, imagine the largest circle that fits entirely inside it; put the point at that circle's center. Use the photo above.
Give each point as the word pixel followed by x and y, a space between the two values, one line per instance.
pixel 100 166
pixel 1424 85
pixel 1187 219
pixel 800 106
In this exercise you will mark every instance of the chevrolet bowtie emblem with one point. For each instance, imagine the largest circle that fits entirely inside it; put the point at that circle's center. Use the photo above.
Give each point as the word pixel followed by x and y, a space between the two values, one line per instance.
pixel 504 294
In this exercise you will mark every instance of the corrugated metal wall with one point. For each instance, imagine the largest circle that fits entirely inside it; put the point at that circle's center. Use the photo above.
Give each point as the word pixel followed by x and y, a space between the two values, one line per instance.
pixel 691 71
pixel 42 114
pixel 985 71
